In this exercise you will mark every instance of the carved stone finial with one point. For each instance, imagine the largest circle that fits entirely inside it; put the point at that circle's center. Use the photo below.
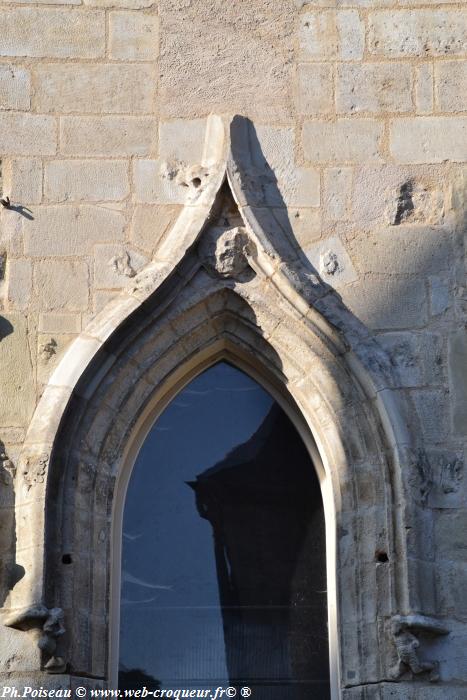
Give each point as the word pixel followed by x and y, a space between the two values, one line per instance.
pixel 224 251
pixel 404 633
pixel 48 625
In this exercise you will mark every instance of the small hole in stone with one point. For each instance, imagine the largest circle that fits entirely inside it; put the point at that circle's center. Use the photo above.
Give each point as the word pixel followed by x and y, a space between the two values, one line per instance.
pixel 66 559
pixel 196 182
pixel 381 557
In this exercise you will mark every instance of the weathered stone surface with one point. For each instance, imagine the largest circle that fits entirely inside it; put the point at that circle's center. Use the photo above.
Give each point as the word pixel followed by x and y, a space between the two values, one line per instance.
pixel 19 283
pixel 17 395
pixel 346 140
pixel 451 86
pixel 419 358
pixel 27 134
pixel 60 285
pixel 337 193
pixel 115 265
pixel 400 195
pixel 315 86
pixel 433 412
pixel 458 380
pixel 133 36
pixel 150 223
pixel 59 323
pixel 54 33
pixel 70 230
pixel 182 140
pixel 200 75
pixel 332 262
pixel 108 136
pixel 104 88
pixel 155 182
pixel 429 139
pixel 22 180
pixel 418 32
pixel 406 250
pixel 128 4
pixel 318 35
pixel 383 301
pixel 91 180
pixel 424 88
pixel 351 34
pixel 302 224
pixel 15 87
pixel 374 87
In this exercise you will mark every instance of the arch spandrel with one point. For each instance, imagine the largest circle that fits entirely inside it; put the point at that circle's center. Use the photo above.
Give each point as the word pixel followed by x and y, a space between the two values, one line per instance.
pixel 213 291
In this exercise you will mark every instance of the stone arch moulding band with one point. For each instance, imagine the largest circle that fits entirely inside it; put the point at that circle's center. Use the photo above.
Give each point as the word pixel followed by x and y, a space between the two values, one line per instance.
pixel 250 285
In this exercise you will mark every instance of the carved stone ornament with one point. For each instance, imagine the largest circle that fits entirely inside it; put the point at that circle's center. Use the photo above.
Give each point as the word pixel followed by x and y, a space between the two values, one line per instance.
pixel 224 252
pixel 35 469
pixel 47 624
pixel 404 632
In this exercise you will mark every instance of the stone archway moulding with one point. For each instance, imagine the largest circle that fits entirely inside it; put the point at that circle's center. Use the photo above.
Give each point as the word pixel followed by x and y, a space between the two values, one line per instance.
pixel 247 288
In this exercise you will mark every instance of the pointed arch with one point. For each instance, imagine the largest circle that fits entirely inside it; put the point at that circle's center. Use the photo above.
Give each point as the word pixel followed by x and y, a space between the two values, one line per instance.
pixel 290 329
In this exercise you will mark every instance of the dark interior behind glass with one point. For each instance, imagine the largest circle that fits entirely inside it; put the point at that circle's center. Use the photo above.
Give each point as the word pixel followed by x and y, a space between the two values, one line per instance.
pixel 223 555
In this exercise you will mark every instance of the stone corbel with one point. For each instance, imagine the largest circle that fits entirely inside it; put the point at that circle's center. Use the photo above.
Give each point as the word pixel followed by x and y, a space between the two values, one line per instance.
pixel 405 631
pixel 47 626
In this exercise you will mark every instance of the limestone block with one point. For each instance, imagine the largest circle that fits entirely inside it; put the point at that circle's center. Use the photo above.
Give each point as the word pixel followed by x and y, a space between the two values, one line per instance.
pixel 351 34
pixel 315 85
pixel 150 223
pixel 17 397
pixel 108 136
pixel 15 87
pixel 403 250
pixel 437 32
pixel 451 579
pixel 374 87
pixel 457 359
pixel 18 652
pixel 60 285
pixel 318 35
pixel 103 88
pixel 27 134
pixel 384 301
pixel 429 139
pixel 273 154
pixel 301 225
pixel 154 181
pixel 346 140
pixel 215 58
pixel 127 4
pixel 91 180
pixel 22 180
pixel 115 265
pixel 433 412
pixel 418 358
pixel 394 195
pixel 440 294
pixel 450 527
pixel 70 230
pixel 332 262
pixel 59 323
pixel 19 283
pixel 133 36
pixel 182 140
pixel 337 192
pixel 451 86
pixel 52 32
pixel 50 349
pixel 11 239
pixel 424 88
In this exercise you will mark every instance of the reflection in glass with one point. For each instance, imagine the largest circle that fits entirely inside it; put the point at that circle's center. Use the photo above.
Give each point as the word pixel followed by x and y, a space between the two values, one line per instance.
pixel 223 553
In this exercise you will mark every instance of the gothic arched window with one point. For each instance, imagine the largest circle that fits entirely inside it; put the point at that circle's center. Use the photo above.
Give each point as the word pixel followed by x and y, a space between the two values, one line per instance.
pixel 223 579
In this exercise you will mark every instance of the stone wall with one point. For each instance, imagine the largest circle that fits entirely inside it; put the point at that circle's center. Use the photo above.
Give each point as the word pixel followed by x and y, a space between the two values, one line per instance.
pixel 360 110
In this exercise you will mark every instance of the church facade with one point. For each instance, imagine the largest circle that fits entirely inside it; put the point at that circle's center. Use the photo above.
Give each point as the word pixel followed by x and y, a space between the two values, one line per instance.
pixel 275 185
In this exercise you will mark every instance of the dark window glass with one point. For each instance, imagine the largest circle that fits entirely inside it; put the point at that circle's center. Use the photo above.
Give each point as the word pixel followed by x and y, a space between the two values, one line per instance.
pixel 223 561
